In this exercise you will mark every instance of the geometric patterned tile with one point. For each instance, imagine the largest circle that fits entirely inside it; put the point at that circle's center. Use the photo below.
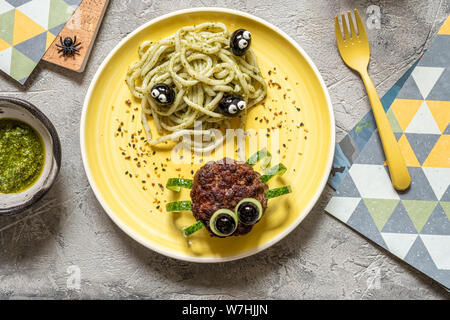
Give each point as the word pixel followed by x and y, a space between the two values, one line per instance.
pixel 5 6
pixel 407 152
pixel 60 12
pixel 416 228
pixel 446 196
pixel 441 113
pixel 17 3
pixel 399 222
pixel 446 206
pixel 422 144
pixel 420 188
pixel 447 130
pixel 7 26
pixel 369 157
pixel 342 207
pixel 419 211
pixel 440 91
pixel 380 210
pixel 426 78
pixel 440 155
pixel 5 60
pixel 33 48
pixel 37 10
pixel 410 90
pixel 423 122
pixel 419 257
pixel 380 185
pixel 347 188
pixel 439 179
pixel 438 54
pixel 438 223
pixel 399 243
pixel 404 110
pixel 439 248
pixel 25 28
pixel 21 65
pixel 362 222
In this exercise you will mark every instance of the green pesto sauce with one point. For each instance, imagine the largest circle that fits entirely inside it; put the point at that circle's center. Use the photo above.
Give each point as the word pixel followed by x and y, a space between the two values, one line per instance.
pixel 22 156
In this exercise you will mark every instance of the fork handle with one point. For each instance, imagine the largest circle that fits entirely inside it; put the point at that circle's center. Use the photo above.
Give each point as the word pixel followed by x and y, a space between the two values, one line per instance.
pixel 400 177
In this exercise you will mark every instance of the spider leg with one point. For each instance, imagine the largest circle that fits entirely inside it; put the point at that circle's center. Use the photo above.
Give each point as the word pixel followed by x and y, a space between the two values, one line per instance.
pixel 77 44
pixel 59 46
pixel 60 50
pixel 74 39
pixel 60 40
pixel 75 49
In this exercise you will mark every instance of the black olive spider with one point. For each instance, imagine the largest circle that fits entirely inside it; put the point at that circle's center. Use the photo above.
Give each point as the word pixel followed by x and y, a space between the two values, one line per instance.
pixel 68 47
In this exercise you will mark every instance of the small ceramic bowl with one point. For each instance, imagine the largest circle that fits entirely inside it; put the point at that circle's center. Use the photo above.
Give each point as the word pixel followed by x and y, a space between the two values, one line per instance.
pixel 14 203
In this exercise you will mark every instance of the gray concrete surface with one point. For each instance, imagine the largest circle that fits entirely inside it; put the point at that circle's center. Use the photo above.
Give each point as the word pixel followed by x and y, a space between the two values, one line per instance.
pixel 321 259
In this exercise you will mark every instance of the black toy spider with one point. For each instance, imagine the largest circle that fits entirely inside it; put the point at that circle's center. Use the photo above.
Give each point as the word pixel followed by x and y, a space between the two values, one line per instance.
pixel 68 47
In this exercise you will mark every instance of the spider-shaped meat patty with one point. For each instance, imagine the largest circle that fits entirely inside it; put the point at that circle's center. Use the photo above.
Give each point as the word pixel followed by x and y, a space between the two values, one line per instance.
pixel 223 184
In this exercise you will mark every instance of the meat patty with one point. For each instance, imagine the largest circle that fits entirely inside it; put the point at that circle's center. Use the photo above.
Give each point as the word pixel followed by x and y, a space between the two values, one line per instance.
pixel 221 185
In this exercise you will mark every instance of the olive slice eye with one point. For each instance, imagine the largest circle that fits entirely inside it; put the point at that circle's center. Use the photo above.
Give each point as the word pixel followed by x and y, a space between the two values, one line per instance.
pixel 223 222
pixel 242 44
pixel 155 93
pixel 162 98
pixel 232 108
pixel 247 35
pixel 241 105
pixel 249 211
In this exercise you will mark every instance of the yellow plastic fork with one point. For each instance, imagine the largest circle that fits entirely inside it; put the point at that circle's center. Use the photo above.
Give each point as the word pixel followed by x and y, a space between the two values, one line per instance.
pixel 355 51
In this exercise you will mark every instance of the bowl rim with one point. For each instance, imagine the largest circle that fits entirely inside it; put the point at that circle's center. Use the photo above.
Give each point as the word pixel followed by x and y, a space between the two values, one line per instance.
pixel 129 231
pixel 39 115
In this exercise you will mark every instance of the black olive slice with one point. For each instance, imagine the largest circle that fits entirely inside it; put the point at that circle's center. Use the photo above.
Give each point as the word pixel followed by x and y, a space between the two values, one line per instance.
pixel 249 211
pixel 240 42
pixel 231 105
pixel 163 94
pixel 223 222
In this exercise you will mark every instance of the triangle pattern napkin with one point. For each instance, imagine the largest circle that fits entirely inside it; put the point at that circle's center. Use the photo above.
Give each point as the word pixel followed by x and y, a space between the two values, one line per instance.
pixel 415 225
pixel 27 29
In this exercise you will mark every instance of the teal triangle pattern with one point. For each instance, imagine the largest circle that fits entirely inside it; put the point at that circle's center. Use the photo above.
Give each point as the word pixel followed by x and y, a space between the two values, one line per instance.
pixel 420 259
pixel 347 188
pixel 33 48
pixel 362 221
pixel 420 188
pixel 399 222
pixel 437 223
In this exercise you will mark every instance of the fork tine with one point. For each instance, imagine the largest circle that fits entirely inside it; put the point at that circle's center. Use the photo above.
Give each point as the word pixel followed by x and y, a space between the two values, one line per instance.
pixel 337 30
pixel 352 25
pixel 360 25
pixel 345 27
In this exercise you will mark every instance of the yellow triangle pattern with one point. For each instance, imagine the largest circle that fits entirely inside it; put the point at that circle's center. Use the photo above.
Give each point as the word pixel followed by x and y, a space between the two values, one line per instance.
pixel 441 113
pixel 445 29
pixel 439 157
pixel 405 110
pixel 407 152
pixel 25 28
pixel 50 39
pixel 3 45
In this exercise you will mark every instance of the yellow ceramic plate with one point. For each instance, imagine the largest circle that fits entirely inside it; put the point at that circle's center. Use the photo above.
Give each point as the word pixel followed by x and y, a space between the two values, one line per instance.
pixel 297 100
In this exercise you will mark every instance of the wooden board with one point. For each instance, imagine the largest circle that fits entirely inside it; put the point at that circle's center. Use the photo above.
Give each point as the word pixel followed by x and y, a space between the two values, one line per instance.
pixel 84 23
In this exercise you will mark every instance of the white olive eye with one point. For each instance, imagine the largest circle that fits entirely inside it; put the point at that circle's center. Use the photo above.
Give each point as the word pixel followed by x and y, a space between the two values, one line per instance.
pixel 247 35
pixel 241 105
pixel 155 93
pixel 243 44
pixel 162 98
pixel 232 109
